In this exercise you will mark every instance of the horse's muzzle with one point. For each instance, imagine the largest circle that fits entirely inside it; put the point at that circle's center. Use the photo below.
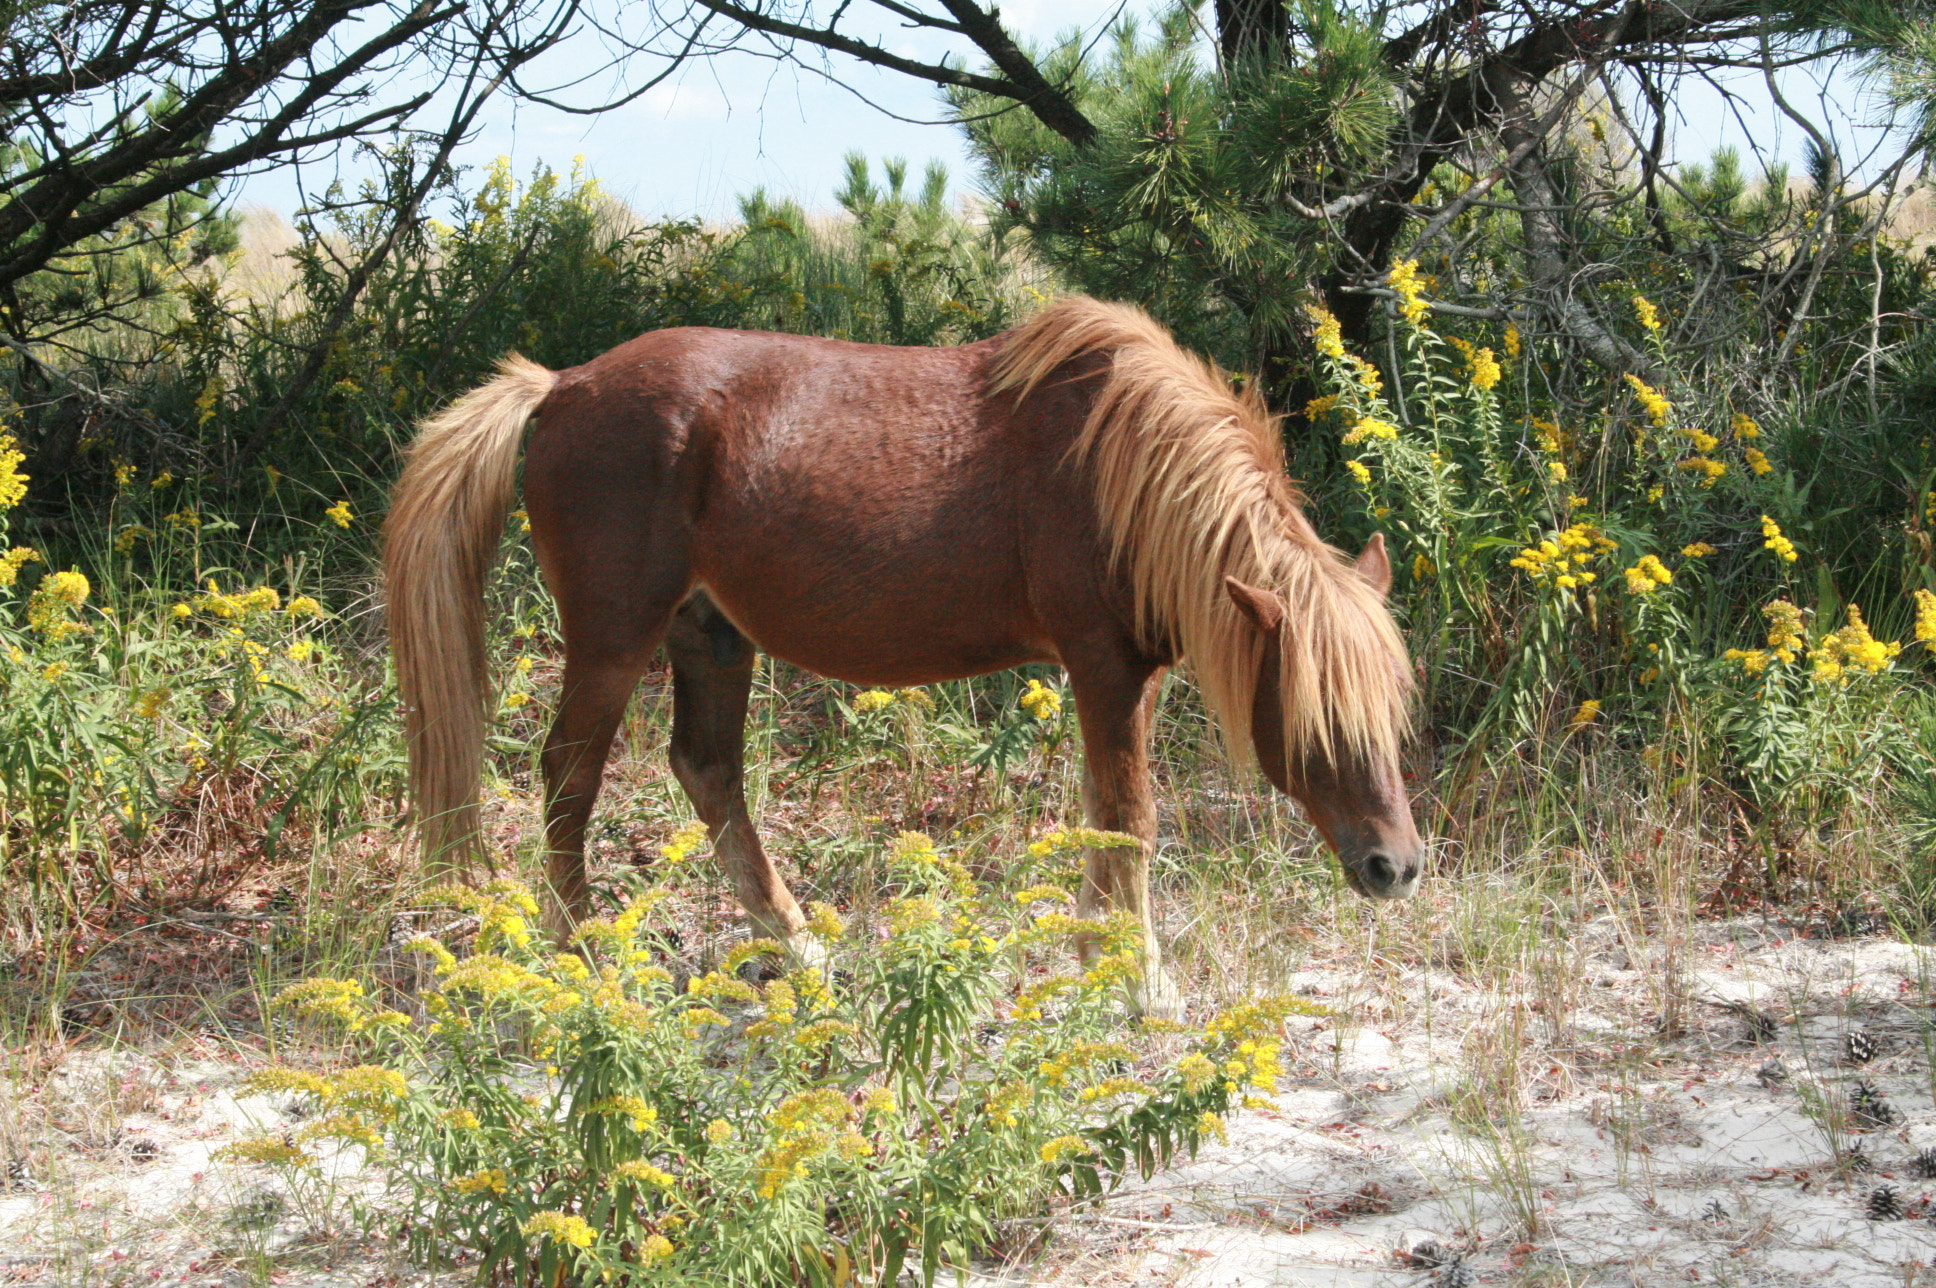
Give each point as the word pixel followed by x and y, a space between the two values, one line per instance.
pixel 1382 875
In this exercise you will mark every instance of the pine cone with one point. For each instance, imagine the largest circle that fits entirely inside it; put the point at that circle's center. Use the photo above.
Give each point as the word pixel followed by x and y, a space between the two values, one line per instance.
pixel 1868 1107
pixel 1771 1074
pixel 1860 1046
pixel 1884 1204
pixel 1859 1161
pixel 1427 1253
pixel 1454 1274
pixel 1924 1165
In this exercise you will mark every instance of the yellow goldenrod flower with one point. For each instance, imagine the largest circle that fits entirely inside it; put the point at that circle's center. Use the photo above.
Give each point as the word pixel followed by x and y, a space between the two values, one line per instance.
pixel 1369 427
pixel 1422 567
pixel 1757 460
pixel 150 704
pixel 1062 1147
pixel 1320 406
pixel 684 842
pixel 1784 548
pixel 719 1130
pixel 493 1179
pixel 1512 341
pixel 560 1228
pixel 1744 427
pixel 1644 310
pixel 11 561
pixel 1657 406
pixel 1709 469
pixel 124 472
pixel 1785 636
pixel 1556 471
pixel 1327 335
pixel 1698 550
pixel 1404 279
pixel 1754 661
pixel 129 537
pixel 57 593
pixel 339 514
pixel 1042 703
pixel 161 481
pixel 1588 712
pixel 1485 370
pixel 1648 574
pixel 1358 471
pixel 13 484
pixel 1925 616
pixel 872 700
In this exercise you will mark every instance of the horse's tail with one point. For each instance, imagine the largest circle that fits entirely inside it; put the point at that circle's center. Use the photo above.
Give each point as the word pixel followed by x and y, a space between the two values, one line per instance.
pixel 446 519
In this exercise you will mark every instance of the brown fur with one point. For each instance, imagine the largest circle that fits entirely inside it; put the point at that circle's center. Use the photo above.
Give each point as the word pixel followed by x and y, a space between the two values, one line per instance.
pixel 1077 491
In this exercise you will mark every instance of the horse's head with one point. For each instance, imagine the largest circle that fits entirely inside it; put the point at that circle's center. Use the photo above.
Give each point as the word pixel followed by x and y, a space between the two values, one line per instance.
pixel 1351 788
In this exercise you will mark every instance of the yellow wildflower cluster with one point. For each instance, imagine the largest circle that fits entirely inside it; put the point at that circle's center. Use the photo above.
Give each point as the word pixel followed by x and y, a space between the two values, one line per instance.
pixel 492 1180
pixel 1547 434
pixel 1644 310
pixel 1404 279
pixel 1709 470
pixel 1320 406
pixel 1003 1103
pixel 1057 1070
pixel 1366 375
pixel 1648 575
pixel 339 514
pixel 1784 548
pixel 807 1124
pixel 1062 1147
pixel 1853 645
pixel 872 700
pixel 1588 712
pixel 1757 460
pixel 263 599
pixel 13 484
pixel 150 704
pixel 1484 369
pixel 1926 617
pixel 1366 427
pixel 639 1115
pixel 684 841
pixel 1511 340
pixel 904 915
pixel 1562 559
pixel 1744 427
pixel 131 536
pixel 1697 550
pixel 11 561
pixel 1043 703
pixel 559 1228
pixel 1656 405
pixel 1326 336
pixel 57 593
pixel 1785 635
pixel 1359 470
pixel 824 921
pixel 643 1173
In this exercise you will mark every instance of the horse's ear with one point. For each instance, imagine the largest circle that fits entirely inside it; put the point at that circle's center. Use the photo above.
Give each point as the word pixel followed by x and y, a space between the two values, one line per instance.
pixel 1265 610
pixel 1374 565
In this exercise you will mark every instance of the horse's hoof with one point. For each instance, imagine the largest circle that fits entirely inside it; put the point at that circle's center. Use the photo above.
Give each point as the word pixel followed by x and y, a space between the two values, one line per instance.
pixel 806 951
pixel 1158 998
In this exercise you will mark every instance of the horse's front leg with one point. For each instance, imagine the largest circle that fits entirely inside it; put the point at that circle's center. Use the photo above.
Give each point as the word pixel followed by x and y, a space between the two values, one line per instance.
pixel 712 676
pixel 1114 703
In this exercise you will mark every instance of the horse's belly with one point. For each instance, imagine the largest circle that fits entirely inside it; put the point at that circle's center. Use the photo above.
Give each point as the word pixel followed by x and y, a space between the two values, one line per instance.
pixel 902 617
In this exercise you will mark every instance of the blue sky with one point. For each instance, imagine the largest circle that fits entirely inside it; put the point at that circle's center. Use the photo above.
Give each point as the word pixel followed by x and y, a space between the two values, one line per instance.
pixel 724 125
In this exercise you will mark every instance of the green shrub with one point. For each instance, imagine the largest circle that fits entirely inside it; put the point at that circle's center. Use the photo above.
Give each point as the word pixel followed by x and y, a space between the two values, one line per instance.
pixel 576 1117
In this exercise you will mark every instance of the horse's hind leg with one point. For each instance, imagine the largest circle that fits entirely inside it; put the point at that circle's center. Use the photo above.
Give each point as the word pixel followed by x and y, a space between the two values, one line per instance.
pixel 609 640
pixel 1114 702
pixel 712 676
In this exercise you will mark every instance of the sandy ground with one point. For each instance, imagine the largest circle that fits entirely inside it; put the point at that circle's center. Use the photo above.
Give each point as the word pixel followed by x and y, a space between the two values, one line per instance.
pixel 1622 1161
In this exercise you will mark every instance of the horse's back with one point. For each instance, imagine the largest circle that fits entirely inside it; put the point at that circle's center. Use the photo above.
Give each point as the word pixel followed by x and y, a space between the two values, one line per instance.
pixel 854 508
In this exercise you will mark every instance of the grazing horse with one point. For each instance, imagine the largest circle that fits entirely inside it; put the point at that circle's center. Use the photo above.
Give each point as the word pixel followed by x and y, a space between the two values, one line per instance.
pixel 1079 490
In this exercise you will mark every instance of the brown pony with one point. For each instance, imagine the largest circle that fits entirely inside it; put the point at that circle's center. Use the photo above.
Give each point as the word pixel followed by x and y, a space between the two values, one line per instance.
pixel 1078 490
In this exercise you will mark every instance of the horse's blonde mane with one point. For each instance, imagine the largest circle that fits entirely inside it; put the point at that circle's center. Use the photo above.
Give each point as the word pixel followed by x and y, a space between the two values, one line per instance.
pixel 1190 488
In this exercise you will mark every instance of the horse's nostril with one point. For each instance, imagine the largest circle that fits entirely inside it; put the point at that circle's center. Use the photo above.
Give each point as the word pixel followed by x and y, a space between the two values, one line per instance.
pixel 1380 873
